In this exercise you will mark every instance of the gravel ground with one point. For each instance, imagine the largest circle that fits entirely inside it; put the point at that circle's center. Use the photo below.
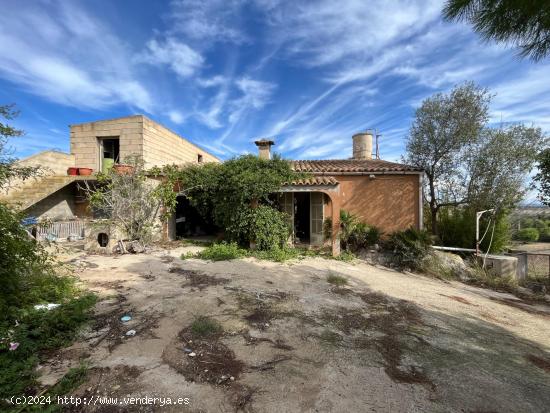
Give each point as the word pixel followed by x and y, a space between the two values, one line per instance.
pixel 383 342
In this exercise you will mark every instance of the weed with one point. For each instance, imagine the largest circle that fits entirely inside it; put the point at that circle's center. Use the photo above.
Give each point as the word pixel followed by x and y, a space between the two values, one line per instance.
pixel 219 252
pixel 38 331
pixel 204 326
pixel 345 256
pixel 336 280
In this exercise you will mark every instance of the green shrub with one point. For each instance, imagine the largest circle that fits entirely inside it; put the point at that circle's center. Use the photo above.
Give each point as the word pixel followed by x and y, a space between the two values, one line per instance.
pixel 409 247
pixel 355 234
pixel 280 254
pixel 346 256
pixel 336 280
pixel 544 236
pixel 457 228
pixel 527 235
pixel 204 326
pixel 222 251
pixel 269 228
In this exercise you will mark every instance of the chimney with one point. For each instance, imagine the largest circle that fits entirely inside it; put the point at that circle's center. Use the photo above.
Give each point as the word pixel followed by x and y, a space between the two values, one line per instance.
pixel 362 145
pixel 264 148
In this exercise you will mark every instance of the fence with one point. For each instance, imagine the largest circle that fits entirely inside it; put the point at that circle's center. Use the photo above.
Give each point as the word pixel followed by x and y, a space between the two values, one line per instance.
pixel 61 230
pixel 533 264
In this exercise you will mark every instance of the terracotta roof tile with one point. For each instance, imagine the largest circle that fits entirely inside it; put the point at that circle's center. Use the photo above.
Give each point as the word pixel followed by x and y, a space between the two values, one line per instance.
pixel 351 165
pixel 316 180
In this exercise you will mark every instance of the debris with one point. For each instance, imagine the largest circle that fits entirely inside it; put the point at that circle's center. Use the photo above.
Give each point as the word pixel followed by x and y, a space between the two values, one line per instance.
pixel 48 307
pixel 125 318
pixel 192 354
pixel 13 346
pixel 187 350
pixel 131 333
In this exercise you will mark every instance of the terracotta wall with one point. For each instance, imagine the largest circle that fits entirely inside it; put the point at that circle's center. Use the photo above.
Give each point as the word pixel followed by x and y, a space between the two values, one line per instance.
pixel 390 202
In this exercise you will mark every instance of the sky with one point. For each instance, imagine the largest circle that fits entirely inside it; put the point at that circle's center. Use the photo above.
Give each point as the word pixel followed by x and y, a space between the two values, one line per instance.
pixel 223 73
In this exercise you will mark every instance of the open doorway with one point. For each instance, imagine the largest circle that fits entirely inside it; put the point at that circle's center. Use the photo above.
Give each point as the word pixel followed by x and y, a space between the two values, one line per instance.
pixel 302 217
pixel 189 222
pixel 109 152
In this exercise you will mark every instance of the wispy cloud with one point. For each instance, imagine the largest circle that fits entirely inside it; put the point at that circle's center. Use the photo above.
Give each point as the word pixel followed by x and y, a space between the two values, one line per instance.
pixel 181 58
pixel 213 20
pixel 89 71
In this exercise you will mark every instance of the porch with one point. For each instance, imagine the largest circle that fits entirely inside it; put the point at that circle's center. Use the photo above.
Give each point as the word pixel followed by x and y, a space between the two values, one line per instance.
pixel 308 203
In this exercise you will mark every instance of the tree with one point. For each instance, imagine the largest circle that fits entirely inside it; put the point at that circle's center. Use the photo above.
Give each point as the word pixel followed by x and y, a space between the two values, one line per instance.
pixel 541 180
pixel 132 200
pixel 499 164
pixel 524 23
pixel 9 170
pixel 445 127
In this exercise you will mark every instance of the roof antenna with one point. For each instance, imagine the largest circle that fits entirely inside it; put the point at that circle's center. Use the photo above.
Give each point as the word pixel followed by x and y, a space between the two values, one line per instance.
pixel 377 156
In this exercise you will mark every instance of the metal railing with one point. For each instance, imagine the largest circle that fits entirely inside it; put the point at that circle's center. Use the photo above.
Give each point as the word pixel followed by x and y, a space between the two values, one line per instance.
pixel 61 230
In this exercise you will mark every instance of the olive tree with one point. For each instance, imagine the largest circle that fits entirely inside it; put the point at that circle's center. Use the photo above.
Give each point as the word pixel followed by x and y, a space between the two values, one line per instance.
pixel 445 128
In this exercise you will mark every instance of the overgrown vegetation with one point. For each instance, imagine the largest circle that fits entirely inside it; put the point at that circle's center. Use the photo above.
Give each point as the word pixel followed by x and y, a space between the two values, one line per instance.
pixel 458 226
pixel 409 247
pixel 354 234
pixel 527 235
pixel 133 202
pixel 222 251
pixel 28 275
pixel 236 196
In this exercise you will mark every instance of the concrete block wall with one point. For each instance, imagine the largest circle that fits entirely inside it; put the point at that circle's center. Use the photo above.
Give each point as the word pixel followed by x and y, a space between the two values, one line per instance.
pixel 52 162
pixel 85 144
pixel 138 135
pixel 161 146
pixel 58 206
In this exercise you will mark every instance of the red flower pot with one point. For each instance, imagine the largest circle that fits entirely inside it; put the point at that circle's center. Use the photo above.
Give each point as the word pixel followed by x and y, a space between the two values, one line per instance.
pixel 72 171
pixel 85 171
pixel 123 169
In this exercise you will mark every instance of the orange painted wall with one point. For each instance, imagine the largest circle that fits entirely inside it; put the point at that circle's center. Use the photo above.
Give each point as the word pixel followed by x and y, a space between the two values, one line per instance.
pixel 390 202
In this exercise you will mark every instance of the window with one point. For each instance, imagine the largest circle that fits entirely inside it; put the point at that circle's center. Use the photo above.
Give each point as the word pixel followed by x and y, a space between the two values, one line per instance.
pixel 199 158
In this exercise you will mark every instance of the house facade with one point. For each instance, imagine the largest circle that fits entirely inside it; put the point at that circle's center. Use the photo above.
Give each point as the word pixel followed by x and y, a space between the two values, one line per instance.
pixel 97 146
pixel 385 194
pixel 381 193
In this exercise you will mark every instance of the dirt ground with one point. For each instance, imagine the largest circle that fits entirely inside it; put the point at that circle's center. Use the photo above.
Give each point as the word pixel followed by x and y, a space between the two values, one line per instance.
pixel 292 342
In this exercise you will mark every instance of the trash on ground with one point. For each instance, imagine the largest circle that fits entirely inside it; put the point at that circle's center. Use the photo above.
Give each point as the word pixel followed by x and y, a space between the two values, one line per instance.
pixel 131 333
pixel 192 354
pixel 13 346
pixel 187 350
pixel 125 318
pixel 49 306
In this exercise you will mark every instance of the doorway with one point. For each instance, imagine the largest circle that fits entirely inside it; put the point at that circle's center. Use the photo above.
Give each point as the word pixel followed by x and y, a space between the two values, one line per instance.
pixel 189 222
pixel 109 150
pixel 302 217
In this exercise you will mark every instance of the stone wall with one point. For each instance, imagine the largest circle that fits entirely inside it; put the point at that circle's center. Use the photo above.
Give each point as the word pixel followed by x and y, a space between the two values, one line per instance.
pixel 161 146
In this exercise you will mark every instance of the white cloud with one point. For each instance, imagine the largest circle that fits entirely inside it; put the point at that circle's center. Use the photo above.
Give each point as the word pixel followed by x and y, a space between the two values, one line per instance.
pixel 90 70
pixel 213 81
pixel 182 59
pixel 212 20
pixel 176 116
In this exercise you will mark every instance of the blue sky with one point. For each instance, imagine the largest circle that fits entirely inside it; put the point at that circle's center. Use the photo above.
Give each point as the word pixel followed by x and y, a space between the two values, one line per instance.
pixel 223 73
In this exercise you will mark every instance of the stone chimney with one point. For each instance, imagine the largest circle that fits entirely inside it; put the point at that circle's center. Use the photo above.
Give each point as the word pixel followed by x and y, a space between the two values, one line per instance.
pixel 362 145
pixel 264 148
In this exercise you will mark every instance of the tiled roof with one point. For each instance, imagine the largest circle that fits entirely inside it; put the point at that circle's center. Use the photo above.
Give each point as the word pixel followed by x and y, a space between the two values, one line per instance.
pixel 351 165
pixel 316 180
